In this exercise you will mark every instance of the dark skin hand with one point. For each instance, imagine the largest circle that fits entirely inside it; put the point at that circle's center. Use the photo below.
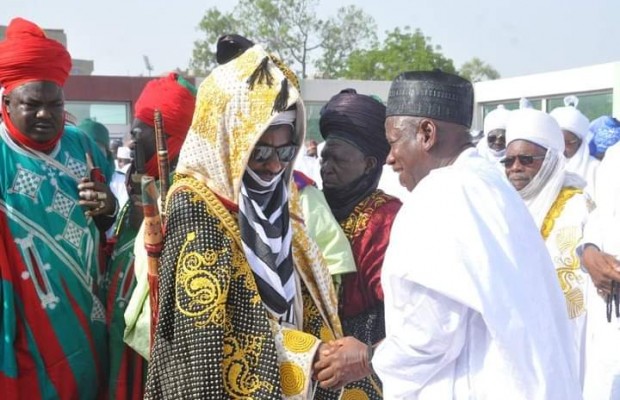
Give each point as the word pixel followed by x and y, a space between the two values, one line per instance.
pixel 341 362
pixel 98 201
pixel 602 267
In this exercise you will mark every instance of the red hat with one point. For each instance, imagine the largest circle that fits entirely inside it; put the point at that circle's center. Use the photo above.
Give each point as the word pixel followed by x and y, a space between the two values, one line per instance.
pixel 175 98
pixel 27 55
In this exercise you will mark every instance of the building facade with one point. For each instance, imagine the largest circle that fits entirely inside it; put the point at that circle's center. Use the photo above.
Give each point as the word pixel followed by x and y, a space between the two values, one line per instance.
pixel 110 99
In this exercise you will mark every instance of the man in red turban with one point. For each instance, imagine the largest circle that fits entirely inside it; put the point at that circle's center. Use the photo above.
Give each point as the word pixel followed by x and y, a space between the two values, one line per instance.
pixel 174 97
pixel 51 214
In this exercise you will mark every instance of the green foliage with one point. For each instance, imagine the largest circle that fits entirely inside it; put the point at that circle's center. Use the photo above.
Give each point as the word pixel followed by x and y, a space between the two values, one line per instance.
pixel 477 70
pixel 291 30
pixel 402 50
pixel 349 30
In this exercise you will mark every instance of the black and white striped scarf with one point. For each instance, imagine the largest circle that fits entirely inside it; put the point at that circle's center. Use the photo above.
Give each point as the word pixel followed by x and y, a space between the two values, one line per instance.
pixel 266 235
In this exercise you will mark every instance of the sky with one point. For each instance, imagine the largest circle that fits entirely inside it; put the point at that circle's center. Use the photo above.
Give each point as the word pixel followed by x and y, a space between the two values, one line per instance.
pixel 517 37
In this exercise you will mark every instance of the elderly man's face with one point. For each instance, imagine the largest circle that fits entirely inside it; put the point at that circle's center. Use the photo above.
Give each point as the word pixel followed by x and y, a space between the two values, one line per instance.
pixel 37 109
pixel 273 152
pixel 496 139
pixel 522 162
pixel 407 156
pixel 341 164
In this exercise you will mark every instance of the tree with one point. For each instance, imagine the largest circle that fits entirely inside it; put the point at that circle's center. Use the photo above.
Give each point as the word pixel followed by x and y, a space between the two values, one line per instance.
pixel 351 29
pixel 291 30
pixel 213 24
pixel 402 50
pixel 477 70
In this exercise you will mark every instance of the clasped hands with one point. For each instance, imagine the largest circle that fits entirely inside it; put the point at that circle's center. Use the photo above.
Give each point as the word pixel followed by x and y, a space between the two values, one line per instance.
pixel 340 362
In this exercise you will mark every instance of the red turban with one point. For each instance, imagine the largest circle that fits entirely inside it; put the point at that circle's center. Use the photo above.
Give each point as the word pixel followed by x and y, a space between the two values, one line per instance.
pixel 26 55
pixel 175 98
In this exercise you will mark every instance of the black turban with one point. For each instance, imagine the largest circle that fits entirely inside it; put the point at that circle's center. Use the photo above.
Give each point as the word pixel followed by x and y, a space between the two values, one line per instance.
pixel 432 94
pixel 356 119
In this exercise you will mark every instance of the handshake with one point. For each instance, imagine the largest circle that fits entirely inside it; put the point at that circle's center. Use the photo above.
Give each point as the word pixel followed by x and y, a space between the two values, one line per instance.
pixel 342 361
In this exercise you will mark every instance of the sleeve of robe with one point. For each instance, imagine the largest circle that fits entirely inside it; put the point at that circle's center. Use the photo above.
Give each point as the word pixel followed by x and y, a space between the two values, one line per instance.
pixel 325 230
pixel 435 337
pixel 213 338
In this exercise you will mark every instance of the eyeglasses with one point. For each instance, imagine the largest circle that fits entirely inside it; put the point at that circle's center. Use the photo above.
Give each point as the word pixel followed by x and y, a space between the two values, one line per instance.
pixel 523 160
pixel 262 153
pixel 496 138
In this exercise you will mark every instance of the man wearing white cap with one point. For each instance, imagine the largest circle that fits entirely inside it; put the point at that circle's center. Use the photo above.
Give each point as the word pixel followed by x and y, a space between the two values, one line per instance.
pixel 535 165
pixel 493 144
pixel 118 183
pixel 577 137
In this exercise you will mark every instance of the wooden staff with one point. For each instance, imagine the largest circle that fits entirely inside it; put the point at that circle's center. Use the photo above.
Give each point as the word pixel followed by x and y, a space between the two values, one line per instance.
pixel 153 218
pixel 153 243
pixel 162 159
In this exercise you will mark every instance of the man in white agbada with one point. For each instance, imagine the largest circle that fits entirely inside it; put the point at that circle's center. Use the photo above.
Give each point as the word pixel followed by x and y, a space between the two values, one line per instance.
pixel 577 136
pixel 473 308
pixel 493 145
pixel 536 167
pixel 600 257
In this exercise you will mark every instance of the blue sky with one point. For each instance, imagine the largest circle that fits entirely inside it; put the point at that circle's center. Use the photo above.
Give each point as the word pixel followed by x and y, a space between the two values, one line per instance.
pixel 517 37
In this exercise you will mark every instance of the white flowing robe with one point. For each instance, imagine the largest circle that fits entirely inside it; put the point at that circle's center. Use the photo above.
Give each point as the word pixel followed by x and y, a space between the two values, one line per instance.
pixel 602 363
pixel 584 165
pixel 473 307
pixel 564 237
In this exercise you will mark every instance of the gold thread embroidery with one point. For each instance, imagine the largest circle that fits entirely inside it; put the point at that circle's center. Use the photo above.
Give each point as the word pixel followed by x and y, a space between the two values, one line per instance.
pixel 241 356
pixel 556 209
pixel 567 264
pixel 297 342
pixel 198 291
pixel 567 240
pixel 357 222
pixel 354 394
pixel 292 378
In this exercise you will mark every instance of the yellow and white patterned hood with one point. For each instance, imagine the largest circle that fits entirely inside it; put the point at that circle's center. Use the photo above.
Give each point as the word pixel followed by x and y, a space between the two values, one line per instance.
pixel 233 110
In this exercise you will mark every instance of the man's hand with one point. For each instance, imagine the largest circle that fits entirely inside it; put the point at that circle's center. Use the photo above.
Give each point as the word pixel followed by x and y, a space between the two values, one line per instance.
pixel 96 197
pixel 602 267
pixel 344 361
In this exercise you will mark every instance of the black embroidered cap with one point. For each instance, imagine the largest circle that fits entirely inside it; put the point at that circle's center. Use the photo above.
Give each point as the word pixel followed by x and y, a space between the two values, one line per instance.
pixel 432 94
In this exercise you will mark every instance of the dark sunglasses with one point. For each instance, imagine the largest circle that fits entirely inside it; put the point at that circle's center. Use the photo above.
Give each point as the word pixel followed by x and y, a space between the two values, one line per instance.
pixel 262 153
pixel 523 160
pixel 496 138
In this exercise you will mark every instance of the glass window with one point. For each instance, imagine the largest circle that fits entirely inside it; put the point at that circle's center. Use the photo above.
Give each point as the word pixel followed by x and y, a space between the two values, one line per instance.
pixel 592 105
pixel 105 113
pixel 313 110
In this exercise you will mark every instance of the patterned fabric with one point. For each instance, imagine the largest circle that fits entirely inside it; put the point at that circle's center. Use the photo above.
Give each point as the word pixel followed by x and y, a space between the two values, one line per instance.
pixel 214 338
pixel 266 235
pixel 53 325
pixel 562 233
pixel 127 369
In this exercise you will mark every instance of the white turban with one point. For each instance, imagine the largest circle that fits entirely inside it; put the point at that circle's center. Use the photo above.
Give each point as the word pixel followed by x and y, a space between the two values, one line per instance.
pixel 571 119
pixel 124 153
pixel 496 119
pixel 534 126
pixel 540 128
pixel 285 118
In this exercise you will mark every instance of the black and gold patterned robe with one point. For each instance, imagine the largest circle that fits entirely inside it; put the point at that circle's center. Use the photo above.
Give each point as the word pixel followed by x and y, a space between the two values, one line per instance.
pixel 214 338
